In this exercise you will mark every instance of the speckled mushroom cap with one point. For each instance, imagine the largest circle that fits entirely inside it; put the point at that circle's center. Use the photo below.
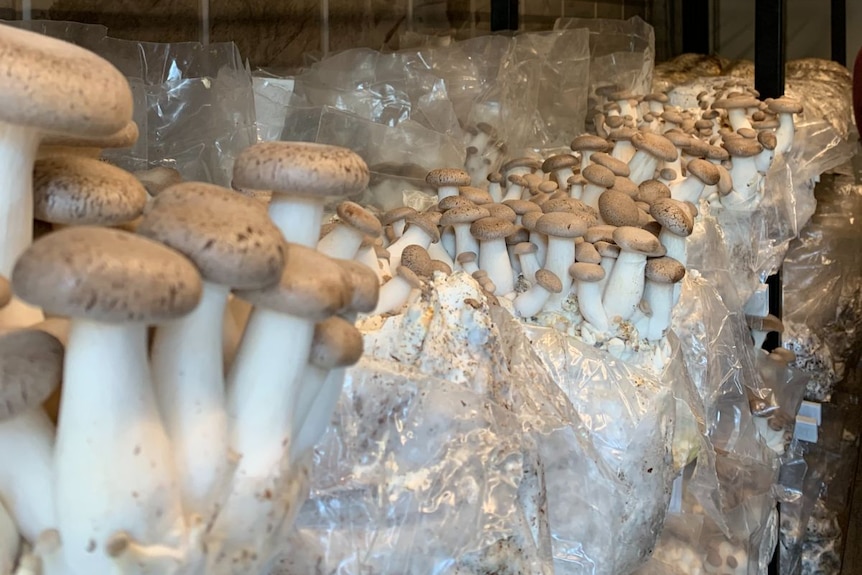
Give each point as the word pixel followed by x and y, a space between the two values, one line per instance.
pixel 651 190
pixel 363 285
pixel 601 233
pixel 529 220
pixel 417 259
pixel 624 134
pixel 524 162
pixel 586 272
pixel 492 228
pixel 618 167
pixel 562 225
pixel 466 214
pixel 664 270
pixel 525 248
pixel 58 87
pixel 448 203
pixel 559 162
pixel 766 323
pixel 547 187
pixel 301 169
pixel 784 105
pixel 447 177
pixel 587 253
pixel 155 180
pixel 396 214
pixel 31 368
pixel 565 204
pixel 125 137
pixel 428 222
pixel 636 240
pixel 336 343
pixel 625 186
pixel 655 145
pixel 734 103
pixel 599 175
pixel 359 219
pixel 520 235
pixel 549 280
pixel 496 178
pixel 618 209
pixel 501 211
pixel 668 174
pixel 678 138
pixel 590 143
pixel 607 249
pixel 704 171
pixel 767 140
pixel 475 195
pixel 717 153
pixel 521 207
pixel 673 216
pixel 312 286
pixel 106 275
pixel 228 236
pixel 84 191
pixel 742 147
pixel 5 291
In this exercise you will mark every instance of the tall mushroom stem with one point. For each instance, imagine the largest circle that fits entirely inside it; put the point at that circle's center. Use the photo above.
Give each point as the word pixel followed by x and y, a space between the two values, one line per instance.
pixel 318 411
pixel 10 541
pixel 298 218
pixel 187 365
pixel 660 298
pixel 113 466
pixel 625 285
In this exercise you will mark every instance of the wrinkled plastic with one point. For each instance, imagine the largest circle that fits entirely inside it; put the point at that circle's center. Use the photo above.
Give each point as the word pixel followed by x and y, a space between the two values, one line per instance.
pixel 801 481
pixel 194 104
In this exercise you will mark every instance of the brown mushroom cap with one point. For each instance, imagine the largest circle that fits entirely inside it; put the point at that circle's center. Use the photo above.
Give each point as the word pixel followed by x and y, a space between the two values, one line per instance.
pixel 501 211
pixel 587 253
pixel 636 240
pixel 562 225
pixel 155 180
pixel 767 140
pixel 476 195
pixel 704 171
pixel 301 169
pixel 590 143
pixel 734 103
pixel 31 368
pixel 607 249
pixel 125 137
pixel 496 178
pixel 529 220
pixel 599 175
pixel 336 343
pixel 106 275
pixel 742 147
pixel 783 354
pixel 362 283
pixel 312 286
pixel 668 174
pixel 428 222
pixel 525 162
pixel 587 272
pixel 466 257
pixel 664 270
pixel 58 87
pixel 521 207
pixel 549 280
pixel 559 162
pixel 396 214
pixel 448 203
pixel 651 190
pixel 625 186
pixel 673 216
pixel 618 209
pixel 417 259
pixel 78 190
pixel 602 233
pixel 784 105
pixel 228 236
pixel 492 228
pixel 618 167
pixel 655 145
pixel 547 187
pixel 359 219
pixel 466 214
pixel 525 248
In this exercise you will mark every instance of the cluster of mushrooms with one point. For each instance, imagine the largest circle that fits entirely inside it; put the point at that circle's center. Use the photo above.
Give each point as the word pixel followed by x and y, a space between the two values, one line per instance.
pixel 170 351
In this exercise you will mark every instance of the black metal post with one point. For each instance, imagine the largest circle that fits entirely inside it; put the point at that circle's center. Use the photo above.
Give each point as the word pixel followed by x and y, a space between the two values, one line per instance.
pixel 839 31
pixel 696 26
pixel 504 15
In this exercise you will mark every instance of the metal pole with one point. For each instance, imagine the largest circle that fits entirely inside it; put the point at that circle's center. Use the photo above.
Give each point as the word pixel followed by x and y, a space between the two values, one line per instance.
pixel 205 22
pixel 839 31
pixel 504 15
pixel 324 27
pixel 695 26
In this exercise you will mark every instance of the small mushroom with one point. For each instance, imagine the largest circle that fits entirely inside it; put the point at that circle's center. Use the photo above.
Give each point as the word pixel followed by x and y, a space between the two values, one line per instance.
pixel 661 276
pixel 531 302
pixel 493 255
pixel 355 223
pixel 588 278
pixel 624 288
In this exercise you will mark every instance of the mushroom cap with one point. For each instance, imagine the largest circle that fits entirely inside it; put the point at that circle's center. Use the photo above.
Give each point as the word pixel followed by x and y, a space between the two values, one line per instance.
pixel 466 214
pixel 678 138
pixel 587 253
pixel 562 225
pixel 587 272
pixel 336 343
pixel 655 145
pixel 396 214
pixel 673 216
pixel 704 171
pixel 618 167
pixel 5 292
pixel 529 220
pixel 496 178
pixel 576 180
pixel 312 286
pixel 664 270
pixel 549 280
pixel 607 249
pixel 559 162
pixel 157 179
pixel 524 162
pixel 784 105
pixel 625 186
pixel 651 190
pixel 767 140
pixel 742 147
pixel 521 234
pixel 624 134
pixel 359 218
pixel 668 174
pixel 31 368
pixel 747 133
pixel 466 257
pixel 491 228
pixel 521 207
pixel 602 233
pixel 363 285
pixel 547 187
pixel 58 87
pixel 441 266
pixel 84 191
pixel 106 275
pixel 618 209
pixel 301 169
pixel 525 248
pixel 417 259
pixel 672 117
pixel 599 175
pixel 717 153
pixel 565 204
pixel 636 240
pixel 766 323
pixel 657 97
pixel 125 137
pixel 409 276
pixel 447 203
pixel 501 211
pixel 590 143
pixel 228 236
pixel 734 103
pixel 476 195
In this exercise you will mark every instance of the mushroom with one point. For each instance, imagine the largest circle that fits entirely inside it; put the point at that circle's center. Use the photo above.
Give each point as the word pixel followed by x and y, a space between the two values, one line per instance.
pixel 538 239
pixel 355 223
pixel 526 254
pixel 495 186
pixel 599 179
pixel 113 466
pixel 762 326
pixel 395 292
pixel 468 262
pixel 447 181
pixel 622 141
pixel 737 110
pixel 74 145
pixel 561 166
pixel 743 171
pixel 461 219
pixel 493 254
pixel 785 108
pixel 520 166
pixel 301 176
pixel 157 179
pixel 233 244
pixel 397 218
pixel 676 225
pixel 764 158
pixel 588 278
pixel 421 230
pixel 531 302
pixel 609 253
pixel 561 229
pixel 618 209
pixel 475 195
pixel 576 186
pixel 701 173
pixel 651 149
pixel 516 187
pixel 625 285
pixel 661 276
pixel 586 144
pixel 651 190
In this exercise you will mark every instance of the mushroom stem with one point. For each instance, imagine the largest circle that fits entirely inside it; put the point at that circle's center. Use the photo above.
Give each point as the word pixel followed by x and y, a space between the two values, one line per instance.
pixel 464 240
pixel 607 264
pixel 187 365
pixel 494 259
pixel 624 151
pixel 674 245
pixel 26 487
pixel 591 195
pixel 560 255
pixel 688 189
pixel 368 257
pixel 437 252
pixel 529 266
pixel 590 304
pixel 342 242
pixel 784 134
pixel 738 118
pixel 130 557
pixel 412 235
pixel 642 167
pixel 531 302
pixel 393 295
pixel 625 286
pixel 660 297
pixel 563 175
pixel 113 464
pixel 297 218
pixel 745 178
pixel 10 541
pixel 496 191
pixel 317 412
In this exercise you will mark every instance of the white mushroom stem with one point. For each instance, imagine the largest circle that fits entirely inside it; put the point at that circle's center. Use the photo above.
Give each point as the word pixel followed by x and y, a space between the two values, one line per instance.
pixel 446 192
pixel 18 149
pixel 591 195
pixel 763 160
pixel 529 266
pixel 531 302
pixel 745 178
pixel 659 296
pixel 674 245
pixel 496 191
pixel 393 295
pixel 759 338
pixel 738 118
pixel 784 134
pixel 576 191
pixel 540 240
pixel 10 541
pixel 689 189
pixel 470 267
pixel 590 304
pixel 513 192
pixel 113 465
pixel 26 487
pixel 464 240
pixel 560 255
pixel 447 240
pixel 297 218
pixel 563 175
pixel 625 286
pixel 190 387
pixel 642 166
pixel 342 242
pixel 413 235
pixel 398 227
pixel 586 156
pixel 437 252
pixel 607 264
pixel 318 413
pixel 48 553
pixel 494 259
pixel 514 261
pixel 368 257
pixel 623 150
